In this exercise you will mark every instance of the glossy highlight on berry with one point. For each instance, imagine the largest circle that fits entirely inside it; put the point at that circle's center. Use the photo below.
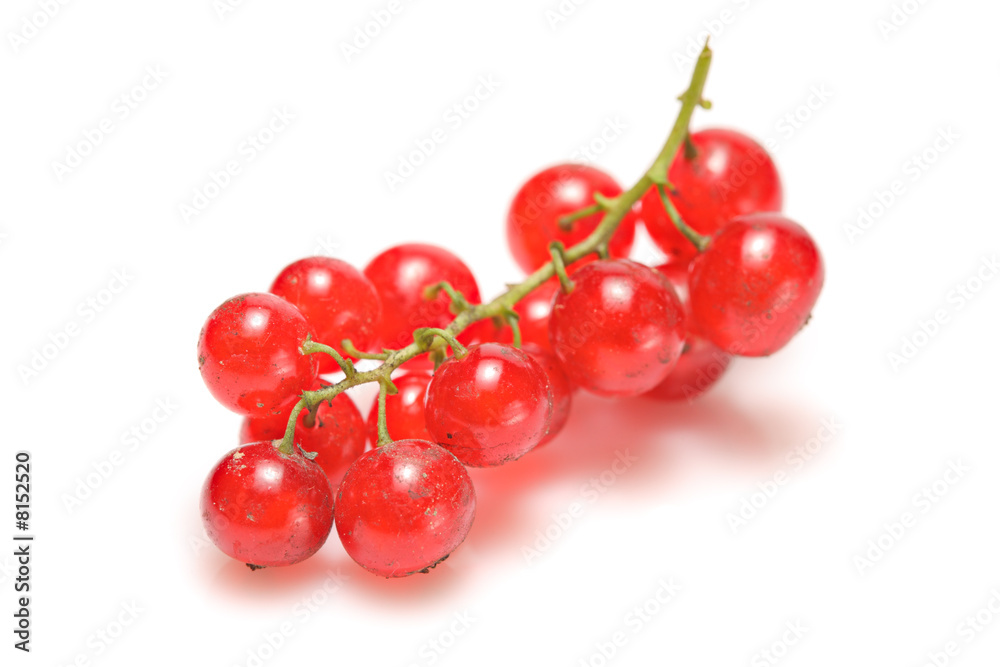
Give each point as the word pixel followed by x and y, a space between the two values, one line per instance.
pixel 620 331
pixel 404 507
pixel 756 285
pixel 266 508
pixel 249 354
pixel 490 406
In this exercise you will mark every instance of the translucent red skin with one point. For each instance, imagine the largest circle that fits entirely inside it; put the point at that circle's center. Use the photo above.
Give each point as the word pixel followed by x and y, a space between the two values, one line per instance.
pixel 404 507
pixel 337 436
pixel 732 175
pixel 559 386
pixel 404 410
pixel 336 299
pixel 491 406
pixel 620 331
pixel 400 276
pixel 248 354
pixel 267 509
pixel 702 364
pixel 534 214
pixel 756 284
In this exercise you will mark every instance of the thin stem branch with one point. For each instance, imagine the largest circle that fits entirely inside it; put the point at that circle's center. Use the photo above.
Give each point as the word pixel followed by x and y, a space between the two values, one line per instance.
pixel 699 241
pixel 312 347
pixel 566 222
pixel 358 354
pixel 615 211
pixel 383 428
pixel 458 301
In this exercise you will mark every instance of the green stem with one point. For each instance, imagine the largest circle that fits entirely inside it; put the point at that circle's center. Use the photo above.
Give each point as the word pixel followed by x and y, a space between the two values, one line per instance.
pixel 358 354
pixel 457 349
pixel 383 427
pixel 699 241
pixel 615 211
pixel 458 301
pixel 558 252
pixel 512 321
pixel 566 222
pixel 287 445
pixel 312 347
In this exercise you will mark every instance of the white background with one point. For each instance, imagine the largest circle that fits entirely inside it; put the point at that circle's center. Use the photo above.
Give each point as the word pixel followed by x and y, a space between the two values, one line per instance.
pixel 136 540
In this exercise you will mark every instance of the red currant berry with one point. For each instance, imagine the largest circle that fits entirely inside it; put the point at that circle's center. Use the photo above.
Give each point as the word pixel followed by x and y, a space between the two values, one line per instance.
pixel 756 284
pixel 730 175
pixel 620 331
pixel 559 385
pixel 490 406
pixel 248 354
pixel 533 218
pixel 400 276
pixel 404 507
pixel 702 364
pixel 337 433
pixel 404 410
pixel 337 301
pixel 266 508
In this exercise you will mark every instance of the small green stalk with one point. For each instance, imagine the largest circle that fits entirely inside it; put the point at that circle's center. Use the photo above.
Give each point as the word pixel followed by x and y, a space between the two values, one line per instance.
pixel 615 210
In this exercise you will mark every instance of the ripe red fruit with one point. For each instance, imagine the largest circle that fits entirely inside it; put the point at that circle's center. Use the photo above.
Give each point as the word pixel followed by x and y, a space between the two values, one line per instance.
pixel 756 284
pixel 490 406
pixel 248 354
pixel 533 218
pixel 559 386
pixel 404 507
pixel 400 276
pixel 731 175
pixel 337 434
pixel 702 364
pixel 266 508
pixel 404 410
pixel 336 300
pixel 620 331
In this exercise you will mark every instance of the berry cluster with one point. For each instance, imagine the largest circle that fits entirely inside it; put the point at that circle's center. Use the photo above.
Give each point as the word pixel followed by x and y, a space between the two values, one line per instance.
pixel 465 383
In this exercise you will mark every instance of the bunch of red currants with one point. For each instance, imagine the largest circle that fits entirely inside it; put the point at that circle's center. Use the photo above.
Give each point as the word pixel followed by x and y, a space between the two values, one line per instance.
pixel 465 383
